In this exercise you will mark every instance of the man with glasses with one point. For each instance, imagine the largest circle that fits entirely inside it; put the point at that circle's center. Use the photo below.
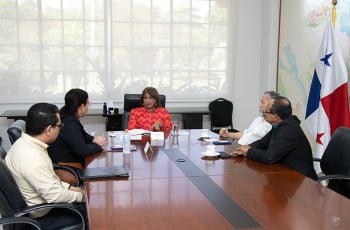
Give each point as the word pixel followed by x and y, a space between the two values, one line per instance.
pixel 257 129
pixel 286 143
pixel 32 168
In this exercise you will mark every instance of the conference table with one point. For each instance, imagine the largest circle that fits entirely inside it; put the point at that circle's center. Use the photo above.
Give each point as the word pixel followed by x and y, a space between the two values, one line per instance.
pixel 174 187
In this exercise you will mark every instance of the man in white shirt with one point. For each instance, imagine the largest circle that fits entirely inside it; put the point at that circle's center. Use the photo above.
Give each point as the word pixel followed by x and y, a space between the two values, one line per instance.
pixel 257 129
pixel 32 168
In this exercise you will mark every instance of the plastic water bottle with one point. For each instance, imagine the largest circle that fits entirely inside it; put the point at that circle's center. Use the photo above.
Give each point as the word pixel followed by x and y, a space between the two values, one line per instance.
pixel 126 142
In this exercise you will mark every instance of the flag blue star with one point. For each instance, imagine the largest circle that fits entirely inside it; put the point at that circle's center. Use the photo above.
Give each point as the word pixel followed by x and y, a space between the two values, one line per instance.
pixel 325 59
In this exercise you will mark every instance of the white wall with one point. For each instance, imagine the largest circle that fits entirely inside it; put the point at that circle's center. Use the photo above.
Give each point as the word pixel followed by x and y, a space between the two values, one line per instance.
pixel 255 65
pixel 256 56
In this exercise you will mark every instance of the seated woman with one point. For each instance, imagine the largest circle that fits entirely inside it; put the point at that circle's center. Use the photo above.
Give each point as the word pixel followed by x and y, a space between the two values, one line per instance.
pixel 73 143
pixel 151 116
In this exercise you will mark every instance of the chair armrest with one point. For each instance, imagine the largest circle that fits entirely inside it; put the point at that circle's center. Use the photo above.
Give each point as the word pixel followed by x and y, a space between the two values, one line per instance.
pixel 20 220
pixel 333 177
pixel 71 164
pixel 69 206
pixel 67 174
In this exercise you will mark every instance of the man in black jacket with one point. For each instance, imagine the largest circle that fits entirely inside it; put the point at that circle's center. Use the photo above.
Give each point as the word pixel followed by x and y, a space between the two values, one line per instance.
pixel 286 143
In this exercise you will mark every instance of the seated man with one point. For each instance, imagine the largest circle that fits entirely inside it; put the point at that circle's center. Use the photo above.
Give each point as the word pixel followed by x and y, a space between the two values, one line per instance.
pixel 257 129
pixel 32 168
pixel 286 143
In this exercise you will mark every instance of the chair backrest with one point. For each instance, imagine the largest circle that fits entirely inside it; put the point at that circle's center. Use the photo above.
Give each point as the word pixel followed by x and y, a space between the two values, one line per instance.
pixel 11 199
pixel 2 152
pixel 336 160
pixel 132 101
pixel 221 111
pixel 15 130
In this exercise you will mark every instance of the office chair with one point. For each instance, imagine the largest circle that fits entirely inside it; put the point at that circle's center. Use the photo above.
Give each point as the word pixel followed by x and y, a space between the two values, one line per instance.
pixel 132 101
pixel 335 162
pixel 2 150
pixel 15 130
pixel 221 111
pixel 15 212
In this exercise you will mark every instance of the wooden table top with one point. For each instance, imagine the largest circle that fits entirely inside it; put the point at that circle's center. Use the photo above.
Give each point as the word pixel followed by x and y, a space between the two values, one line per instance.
pixel 160 195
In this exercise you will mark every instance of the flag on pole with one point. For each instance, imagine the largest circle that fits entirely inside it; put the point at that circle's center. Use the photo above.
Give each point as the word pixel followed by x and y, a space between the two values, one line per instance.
pixel 327 106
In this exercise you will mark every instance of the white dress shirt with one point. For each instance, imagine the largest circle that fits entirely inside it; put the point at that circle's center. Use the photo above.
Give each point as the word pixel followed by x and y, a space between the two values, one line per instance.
pixel 256 130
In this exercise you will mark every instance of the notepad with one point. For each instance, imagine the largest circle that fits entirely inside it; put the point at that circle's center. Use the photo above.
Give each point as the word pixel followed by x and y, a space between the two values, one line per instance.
pixel 103 172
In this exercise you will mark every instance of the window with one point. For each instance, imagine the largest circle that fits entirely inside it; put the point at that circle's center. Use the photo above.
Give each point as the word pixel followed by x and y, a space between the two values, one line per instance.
pixel 112 47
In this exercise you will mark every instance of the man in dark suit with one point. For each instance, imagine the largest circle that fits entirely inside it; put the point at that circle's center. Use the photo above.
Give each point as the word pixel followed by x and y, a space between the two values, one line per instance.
pixel 286 143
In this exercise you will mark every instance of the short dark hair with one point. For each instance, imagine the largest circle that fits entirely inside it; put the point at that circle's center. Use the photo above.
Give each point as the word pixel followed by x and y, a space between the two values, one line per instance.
pixel 72 100
pixel 282 107
pixel 153 94
pixel 272 94
pixel 40 116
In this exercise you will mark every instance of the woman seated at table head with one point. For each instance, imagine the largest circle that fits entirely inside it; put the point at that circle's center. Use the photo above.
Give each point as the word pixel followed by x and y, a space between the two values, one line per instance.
pixel 151 115
pixel 73 143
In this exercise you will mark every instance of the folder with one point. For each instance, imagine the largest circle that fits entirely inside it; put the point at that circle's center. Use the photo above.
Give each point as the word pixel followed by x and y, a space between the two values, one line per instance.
pixel 103 173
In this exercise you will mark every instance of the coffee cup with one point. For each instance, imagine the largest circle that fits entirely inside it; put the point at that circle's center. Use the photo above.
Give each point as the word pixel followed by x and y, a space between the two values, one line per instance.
pixel 205 133
pixel 210 149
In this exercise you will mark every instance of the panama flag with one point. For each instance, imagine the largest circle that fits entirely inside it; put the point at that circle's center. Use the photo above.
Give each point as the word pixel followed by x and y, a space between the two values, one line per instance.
pixel 327 106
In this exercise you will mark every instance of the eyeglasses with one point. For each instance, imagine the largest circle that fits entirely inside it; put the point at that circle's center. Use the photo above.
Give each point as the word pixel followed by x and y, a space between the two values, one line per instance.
pixel 59 125
pixel 264 112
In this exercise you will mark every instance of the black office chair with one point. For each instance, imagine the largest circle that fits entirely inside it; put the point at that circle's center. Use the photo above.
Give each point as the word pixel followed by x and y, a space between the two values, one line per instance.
pixel 15 212
pixel 132 101
pixel 2 152
pixel 15 130
pixel 221 111
pixel 335 162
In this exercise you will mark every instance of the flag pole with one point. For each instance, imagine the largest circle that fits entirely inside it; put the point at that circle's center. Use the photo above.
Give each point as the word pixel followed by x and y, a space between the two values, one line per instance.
pixel 334 12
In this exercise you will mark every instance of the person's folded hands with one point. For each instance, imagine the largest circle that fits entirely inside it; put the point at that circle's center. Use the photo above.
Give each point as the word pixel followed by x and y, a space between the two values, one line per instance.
pixel 101 141
pixel 157 125
pixel 241 151
pixel 224 133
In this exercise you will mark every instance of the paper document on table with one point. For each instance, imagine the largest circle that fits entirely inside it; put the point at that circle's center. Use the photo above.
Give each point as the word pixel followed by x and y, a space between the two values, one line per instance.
pixel 138 131
pixel 207 139
pixel 136 137
pixel 136 134
pixel 215 141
